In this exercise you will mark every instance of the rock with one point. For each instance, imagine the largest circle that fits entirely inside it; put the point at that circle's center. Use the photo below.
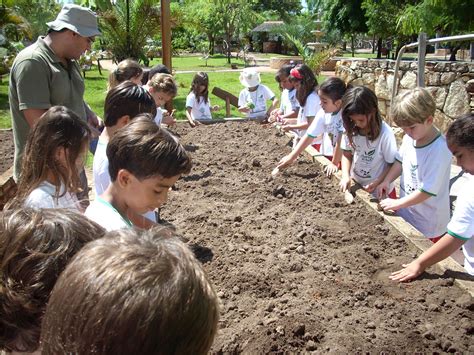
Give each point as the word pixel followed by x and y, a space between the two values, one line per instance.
pixel 447 78
pixel 280 330
pixel 408 81
pixel 432 78
pixel 256 163
pixel 238 219
pixel 296 267
pixel 371 325
pixel 357 82
pixel 368 79
pixel 381 89
pixel 429 335
pixel 279 190
pixel 457 101
pixel 470 86
pixel 466 302
pixel 441 120
pixel 221 294
pixel 300 249
pixel 299 330
pixel 382 107
pixel 439 94
pixel 311 345
pixel 236 290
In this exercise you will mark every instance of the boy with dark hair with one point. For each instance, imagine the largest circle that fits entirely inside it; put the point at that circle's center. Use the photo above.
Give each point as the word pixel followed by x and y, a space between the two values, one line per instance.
pixel 153 298
pixel 35 247
pixel 145 161
pixel 122 104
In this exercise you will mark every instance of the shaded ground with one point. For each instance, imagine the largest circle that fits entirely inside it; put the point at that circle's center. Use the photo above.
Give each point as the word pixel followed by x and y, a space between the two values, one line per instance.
pixel 6 150
pixel 296 269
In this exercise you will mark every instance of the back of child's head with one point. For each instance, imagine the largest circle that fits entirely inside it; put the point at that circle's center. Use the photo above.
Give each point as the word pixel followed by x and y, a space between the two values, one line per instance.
pixel 461 132
pixel 334 88
pixel 146 150
pixel 57 128
pixel 360 100
pixel 132 292
pixel 200 79
pixel 35 247
pixel 127 69
pixel 150 73
pixel 413 106
pixel 282 73
pixel 163 83
pixel 127 99
pixel 307 82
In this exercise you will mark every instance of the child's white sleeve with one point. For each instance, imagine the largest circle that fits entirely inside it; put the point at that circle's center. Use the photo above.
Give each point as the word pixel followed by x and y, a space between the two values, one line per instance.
pixel 345 145
pixel 401 150
pixel 313 105
pixel 268 94
pixel 190 100
pixel 316 127
pixel 462 223
pixel 242 98
pixel 389 145
pixel 436 173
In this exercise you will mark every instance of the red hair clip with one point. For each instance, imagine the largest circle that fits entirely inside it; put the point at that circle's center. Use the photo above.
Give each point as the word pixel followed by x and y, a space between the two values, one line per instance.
pixel 296 74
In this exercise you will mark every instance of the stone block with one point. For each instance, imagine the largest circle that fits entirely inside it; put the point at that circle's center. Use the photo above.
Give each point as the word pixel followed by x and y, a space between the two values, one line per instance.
pixel 457 100
pixel 447 78
pixel 433 78
pixel 441 121
pixel 439 94
pixel 459 67
pixel 404 65
pixel 470 86
pixel 368 78
pixel 381 89
pixel 382 107
pixel 408 81
pixel 357 82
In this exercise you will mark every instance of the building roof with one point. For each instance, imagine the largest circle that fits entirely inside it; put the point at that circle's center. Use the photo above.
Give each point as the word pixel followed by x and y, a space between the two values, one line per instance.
pixel 267 26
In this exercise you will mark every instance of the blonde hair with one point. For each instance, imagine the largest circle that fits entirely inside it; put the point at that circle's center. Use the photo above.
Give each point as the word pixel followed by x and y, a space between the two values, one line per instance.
pixel 413 106
pixel 163 83
pixel 127 69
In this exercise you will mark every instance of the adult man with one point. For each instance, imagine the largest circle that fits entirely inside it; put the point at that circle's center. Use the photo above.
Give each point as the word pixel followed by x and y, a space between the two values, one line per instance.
pixel 46 74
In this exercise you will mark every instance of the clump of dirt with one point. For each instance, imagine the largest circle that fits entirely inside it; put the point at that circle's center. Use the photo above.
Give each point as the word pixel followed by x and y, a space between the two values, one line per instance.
pixel 6 150
pixel 297 269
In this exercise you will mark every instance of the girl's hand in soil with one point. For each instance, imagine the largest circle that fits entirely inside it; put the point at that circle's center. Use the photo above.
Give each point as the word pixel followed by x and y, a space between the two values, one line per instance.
pixel 371 187
pixel 194 123
pixel 168 119
pixel 390 204
pixel 409 272
pixel 285 162
pixel 215 108
pixel 382 190
pixel 345 184
pixel 330 169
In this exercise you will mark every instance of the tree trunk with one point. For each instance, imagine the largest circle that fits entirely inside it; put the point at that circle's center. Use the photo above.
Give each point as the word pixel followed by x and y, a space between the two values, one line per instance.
pixel 228 37
pixel 373 44
pixel 344 45
pixel 210 38
pixel 352 45
pixel 379 48
pixel 454 51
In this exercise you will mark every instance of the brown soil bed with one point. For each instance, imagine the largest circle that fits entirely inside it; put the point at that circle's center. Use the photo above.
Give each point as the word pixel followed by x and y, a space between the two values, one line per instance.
pixel 6 150
pixel 295 268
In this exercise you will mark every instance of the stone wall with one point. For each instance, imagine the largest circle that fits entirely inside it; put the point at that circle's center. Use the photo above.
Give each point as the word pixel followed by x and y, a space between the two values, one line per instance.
pixel 450 83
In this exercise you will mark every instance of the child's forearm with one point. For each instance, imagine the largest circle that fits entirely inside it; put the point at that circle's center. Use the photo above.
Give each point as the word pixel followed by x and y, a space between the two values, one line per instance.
pixel 298 126
pixel 302 144
pixel 411 200
pixel 292 114
pixel 337 155
pixel 273 106
pixel 346 163
pixel 440 251
pixel 394 171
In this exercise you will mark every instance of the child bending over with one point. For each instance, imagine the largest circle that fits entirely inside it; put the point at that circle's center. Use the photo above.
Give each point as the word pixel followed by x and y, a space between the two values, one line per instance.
pixel 35 247
pixel 424 163
pixel 153 298
pixel 163 89
pixel 289 105
pixel 145 161
pixel 460 137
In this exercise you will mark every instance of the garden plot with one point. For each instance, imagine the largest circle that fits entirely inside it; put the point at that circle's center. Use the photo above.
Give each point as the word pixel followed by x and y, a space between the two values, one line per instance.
pixel 295 267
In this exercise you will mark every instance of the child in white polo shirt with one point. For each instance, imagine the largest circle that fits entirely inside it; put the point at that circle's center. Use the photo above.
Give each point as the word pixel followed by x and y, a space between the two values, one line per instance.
pixel 460 137
pixel 424 163
pixel 253 99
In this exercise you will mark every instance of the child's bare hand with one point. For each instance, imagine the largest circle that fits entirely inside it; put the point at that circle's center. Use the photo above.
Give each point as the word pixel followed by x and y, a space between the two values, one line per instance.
pixel 409 272
pixel 286 161
pixel 330 169
pixel 382 190
pixel 244 109
pixel 194 123
pixel 389 204
pixel 345 184
pixel 168 120
pixel 286 128
pixel 371 187
pixel 215 108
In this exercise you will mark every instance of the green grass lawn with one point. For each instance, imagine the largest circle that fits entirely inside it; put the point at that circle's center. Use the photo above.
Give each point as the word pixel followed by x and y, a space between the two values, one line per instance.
pixel 196 63
pixel 96 85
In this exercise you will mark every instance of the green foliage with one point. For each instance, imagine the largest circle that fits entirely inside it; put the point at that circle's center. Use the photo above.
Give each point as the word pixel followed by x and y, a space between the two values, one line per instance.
pixel 281 10
pixel 297 32
pixel 318 60
pixel 124 32
pixel 347 16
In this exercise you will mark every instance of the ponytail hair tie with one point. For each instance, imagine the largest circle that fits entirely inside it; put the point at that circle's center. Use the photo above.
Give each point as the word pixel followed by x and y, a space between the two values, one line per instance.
pixel 296 74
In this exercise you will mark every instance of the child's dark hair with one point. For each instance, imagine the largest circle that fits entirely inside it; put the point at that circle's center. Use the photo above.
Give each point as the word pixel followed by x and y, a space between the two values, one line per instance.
pixel 308 82
pixel 146 150
pixel 461 132
pixel 199 79
pixel 127 99
pixel 153 298
pixel 35 247
pixel 59 127
pixel 283 72
pixel 360 100
pixel 127 69
pixel 150 73
pixel 334 88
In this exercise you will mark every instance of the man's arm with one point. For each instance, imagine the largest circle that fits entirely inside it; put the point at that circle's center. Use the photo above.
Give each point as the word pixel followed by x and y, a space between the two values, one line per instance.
pixel 32 115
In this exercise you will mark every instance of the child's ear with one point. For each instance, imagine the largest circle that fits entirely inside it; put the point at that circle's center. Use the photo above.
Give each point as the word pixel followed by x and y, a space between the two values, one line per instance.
pixel 123 177
pixel 429 120
pixel 338 103
pixel 122 121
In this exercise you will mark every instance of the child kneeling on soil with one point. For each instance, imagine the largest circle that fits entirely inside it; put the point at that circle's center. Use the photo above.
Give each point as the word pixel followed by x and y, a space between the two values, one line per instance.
pixel 460 137
pixel 327 123
pixel 253 99
pixel 55 153
pixel 369 146
pixel 145 161
pixel 153 298
pixel 306 85
pixel 163 89
pixel 198 105
pixel 289 105
pixel 424 163
pixel 35 247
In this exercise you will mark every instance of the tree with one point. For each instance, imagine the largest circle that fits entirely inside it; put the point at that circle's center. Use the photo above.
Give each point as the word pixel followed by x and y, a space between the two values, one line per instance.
pixel 348 17
pixel 284 10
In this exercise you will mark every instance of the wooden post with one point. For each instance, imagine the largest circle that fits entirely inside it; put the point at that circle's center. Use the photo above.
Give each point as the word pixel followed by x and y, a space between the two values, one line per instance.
pixel 227 107
pixel 166 40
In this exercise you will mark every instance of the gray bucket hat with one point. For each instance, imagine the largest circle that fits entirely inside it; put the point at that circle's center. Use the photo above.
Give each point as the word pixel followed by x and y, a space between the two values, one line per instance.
pixel 78 19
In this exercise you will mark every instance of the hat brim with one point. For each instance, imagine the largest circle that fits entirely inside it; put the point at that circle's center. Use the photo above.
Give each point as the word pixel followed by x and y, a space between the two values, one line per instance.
pixel 250 83
pixel 82 30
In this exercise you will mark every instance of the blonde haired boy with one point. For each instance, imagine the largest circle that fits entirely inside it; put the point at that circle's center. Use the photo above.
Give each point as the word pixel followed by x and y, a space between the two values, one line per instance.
pixel 424 163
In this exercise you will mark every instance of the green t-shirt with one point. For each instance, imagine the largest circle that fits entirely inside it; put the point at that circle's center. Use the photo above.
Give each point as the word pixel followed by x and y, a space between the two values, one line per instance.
pixel 38 80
